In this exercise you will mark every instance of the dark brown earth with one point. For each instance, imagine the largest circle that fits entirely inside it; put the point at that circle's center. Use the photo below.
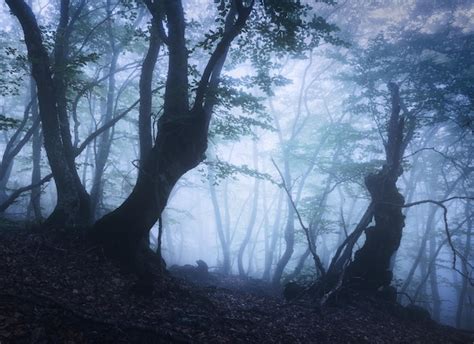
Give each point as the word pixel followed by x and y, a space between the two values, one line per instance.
pixel 56 288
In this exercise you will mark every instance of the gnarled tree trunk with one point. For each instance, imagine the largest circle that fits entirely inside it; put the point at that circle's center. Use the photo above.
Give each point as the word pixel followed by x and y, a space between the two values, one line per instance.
pixel 372 268
pixel 180 143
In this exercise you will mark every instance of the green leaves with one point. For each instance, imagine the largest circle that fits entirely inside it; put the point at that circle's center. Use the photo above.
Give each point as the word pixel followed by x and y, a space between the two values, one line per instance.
pixel 431 68
pixel 13 66
pixel 238 113
pixel 8 122
pixel 222 169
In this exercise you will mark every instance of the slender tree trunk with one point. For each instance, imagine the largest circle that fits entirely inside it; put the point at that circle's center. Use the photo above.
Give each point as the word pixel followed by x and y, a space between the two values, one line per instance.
pixel 289 232
pixel 253 215
pixel 227 224
pixel 423 272
pixel 104 140
pixel 219 226
pixel 266 224
pixel 60 86
pixel 35 196
pixel 13 146
pixel 421 251
pixel 4 182
pixel 429 226
pixel 269 254
pixel 87 158
pixel 435 296
pixel 461 309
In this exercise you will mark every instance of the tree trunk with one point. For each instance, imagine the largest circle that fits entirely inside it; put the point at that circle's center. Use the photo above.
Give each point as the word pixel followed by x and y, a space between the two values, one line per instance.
pixel 4 181
pixel 269 254
pixel 253 216
pixel 72 208
pixel 13 146
pixel 289 233
pixel 219 226
pixel 179 147
pixel 461 309
pixel 105 141
pixel 434 281
pixel 371 267
pixel 35 196
pixel 429 226
pixel 421 251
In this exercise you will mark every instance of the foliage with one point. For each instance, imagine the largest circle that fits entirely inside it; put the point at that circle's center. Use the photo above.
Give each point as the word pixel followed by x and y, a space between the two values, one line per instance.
pixel 430 68
pixel 222 169
pixel 12 64
pixel 8 122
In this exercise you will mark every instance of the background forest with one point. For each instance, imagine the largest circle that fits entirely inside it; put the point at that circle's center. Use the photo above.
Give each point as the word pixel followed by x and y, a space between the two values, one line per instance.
pixel 305 107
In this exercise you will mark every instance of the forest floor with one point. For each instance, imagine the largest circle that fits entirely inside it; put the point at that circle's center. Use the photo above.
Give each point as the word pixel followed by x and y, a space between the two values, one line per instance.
pixel 54 288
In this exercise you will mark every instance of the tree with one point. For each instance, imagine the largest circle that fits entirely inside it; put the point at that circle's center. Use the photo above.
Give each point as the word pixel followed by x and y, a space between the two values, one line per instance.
pixel 35 197
pixel 73 206
pixel 182 133
pixel 371 267
pixel 253 215
pixel 435 95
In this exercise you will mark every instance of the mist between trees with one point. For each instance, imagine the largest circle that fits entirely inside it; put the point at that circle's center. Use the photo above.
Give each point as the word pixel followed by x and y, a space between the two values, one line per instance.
pixel 280 140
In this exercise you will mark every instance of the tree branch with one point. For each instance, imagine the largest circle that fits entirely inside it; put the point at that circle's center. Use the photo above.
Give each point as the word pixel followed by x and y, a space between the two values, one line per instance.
pixel 221 49
pixel 312 246
pixel 455 251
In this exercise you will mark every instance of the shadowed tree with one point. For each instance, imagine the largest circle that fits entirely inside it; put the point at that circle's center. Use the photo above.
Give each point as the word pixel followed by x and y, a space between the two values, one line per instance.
pixel 73 206
pixel 181 140
pixel 371 267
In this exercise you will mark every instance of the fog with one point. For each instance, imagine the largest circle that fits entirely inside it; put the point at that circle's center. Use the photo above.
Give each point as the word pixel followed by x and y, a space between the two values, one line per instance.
pixel 318 116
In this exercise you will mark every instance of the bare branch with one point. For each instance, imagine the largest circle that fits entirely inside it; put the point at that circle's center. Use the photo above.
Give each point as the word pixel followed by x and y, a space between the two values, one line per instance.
pixel 109 124
pixel 11 199
pixel 445 156
pixel 311 245
pixel 455 251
